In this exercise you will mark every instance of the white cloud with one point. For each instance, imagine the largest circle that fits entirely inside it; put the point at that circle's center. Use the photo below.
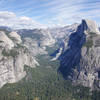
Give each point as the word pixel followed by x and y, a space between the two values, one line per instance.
pixel 73 11
pixel 50 12
pixel 7 15
pixel 25 18
pixel 11 20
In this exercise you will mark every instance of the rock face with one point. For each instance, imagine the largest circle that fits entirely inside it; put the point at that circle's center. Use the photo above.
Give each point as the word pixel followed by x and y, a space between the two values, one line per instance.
pixel 90 26
pixel 61 36
pixel 5 41
pixel 36 40
pixel 47 39
pixel 15 37
pixel 80 63
pixel 33 47
pixel 13 57
pixel 41 36
pixel 63 32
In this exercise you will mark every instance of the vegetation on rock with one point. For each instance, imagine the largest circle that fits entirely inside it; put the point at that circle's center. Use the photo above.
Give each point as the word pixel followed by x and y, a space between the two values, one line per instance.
pixel 12 53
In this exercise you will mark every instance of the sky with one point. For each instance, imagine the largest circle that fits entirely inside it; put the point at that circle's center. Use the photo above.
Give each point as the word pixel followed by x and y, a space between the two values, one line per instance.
pixel 47 13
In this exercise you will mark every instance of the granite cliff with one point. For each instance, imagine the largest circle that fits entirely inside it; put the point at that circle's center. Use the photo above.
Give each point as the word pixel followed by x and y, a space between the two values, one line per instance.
pixel 80 62
pixel 13 57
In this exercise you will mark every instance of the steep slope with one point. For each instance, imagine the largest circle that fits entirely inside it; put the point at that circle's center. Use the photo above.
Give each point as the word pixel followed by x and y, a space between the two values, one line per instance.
pixel 61 36
pixel 13 57
pixel 5 42
pixel 36 40
pixel 43 37
pixel 81 61
pixel 63 32
pixel 15 37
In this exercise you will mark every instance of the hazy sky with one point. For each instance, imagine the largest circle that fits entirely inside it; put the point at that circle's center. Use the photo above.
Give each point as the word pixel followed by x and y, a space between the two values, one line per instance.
pixel 29 13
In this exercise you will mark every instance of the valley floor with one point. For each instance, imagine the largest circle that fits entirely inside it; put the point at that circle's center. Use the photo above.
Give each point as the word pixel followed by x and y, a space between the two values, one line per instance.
pixel 44 83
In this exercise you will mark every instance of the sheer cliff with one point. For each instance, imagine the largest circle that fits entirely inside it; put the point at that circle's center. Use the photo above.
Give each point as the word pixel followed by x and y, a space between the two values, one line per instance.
pixel 13 57
pixel 80 63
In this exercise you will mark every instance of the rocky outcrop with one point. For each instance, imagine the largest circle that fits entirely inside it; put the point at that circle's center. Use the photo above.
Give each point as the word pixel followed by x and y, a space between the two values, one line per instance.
pixel 80 63
pixel 90 26
pixel 47 39
pixel 41 36
pixel 37 40
pixel 61 36
pixel 33 47
pixel 13 57
pixel 5 42
pixel 60 33
pixel 15 37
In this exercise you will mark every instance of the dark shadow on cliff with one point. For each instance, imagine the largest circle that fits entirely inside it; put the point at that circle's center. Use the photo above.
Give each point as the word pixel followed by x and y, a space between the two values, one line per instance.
pixel 70 59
